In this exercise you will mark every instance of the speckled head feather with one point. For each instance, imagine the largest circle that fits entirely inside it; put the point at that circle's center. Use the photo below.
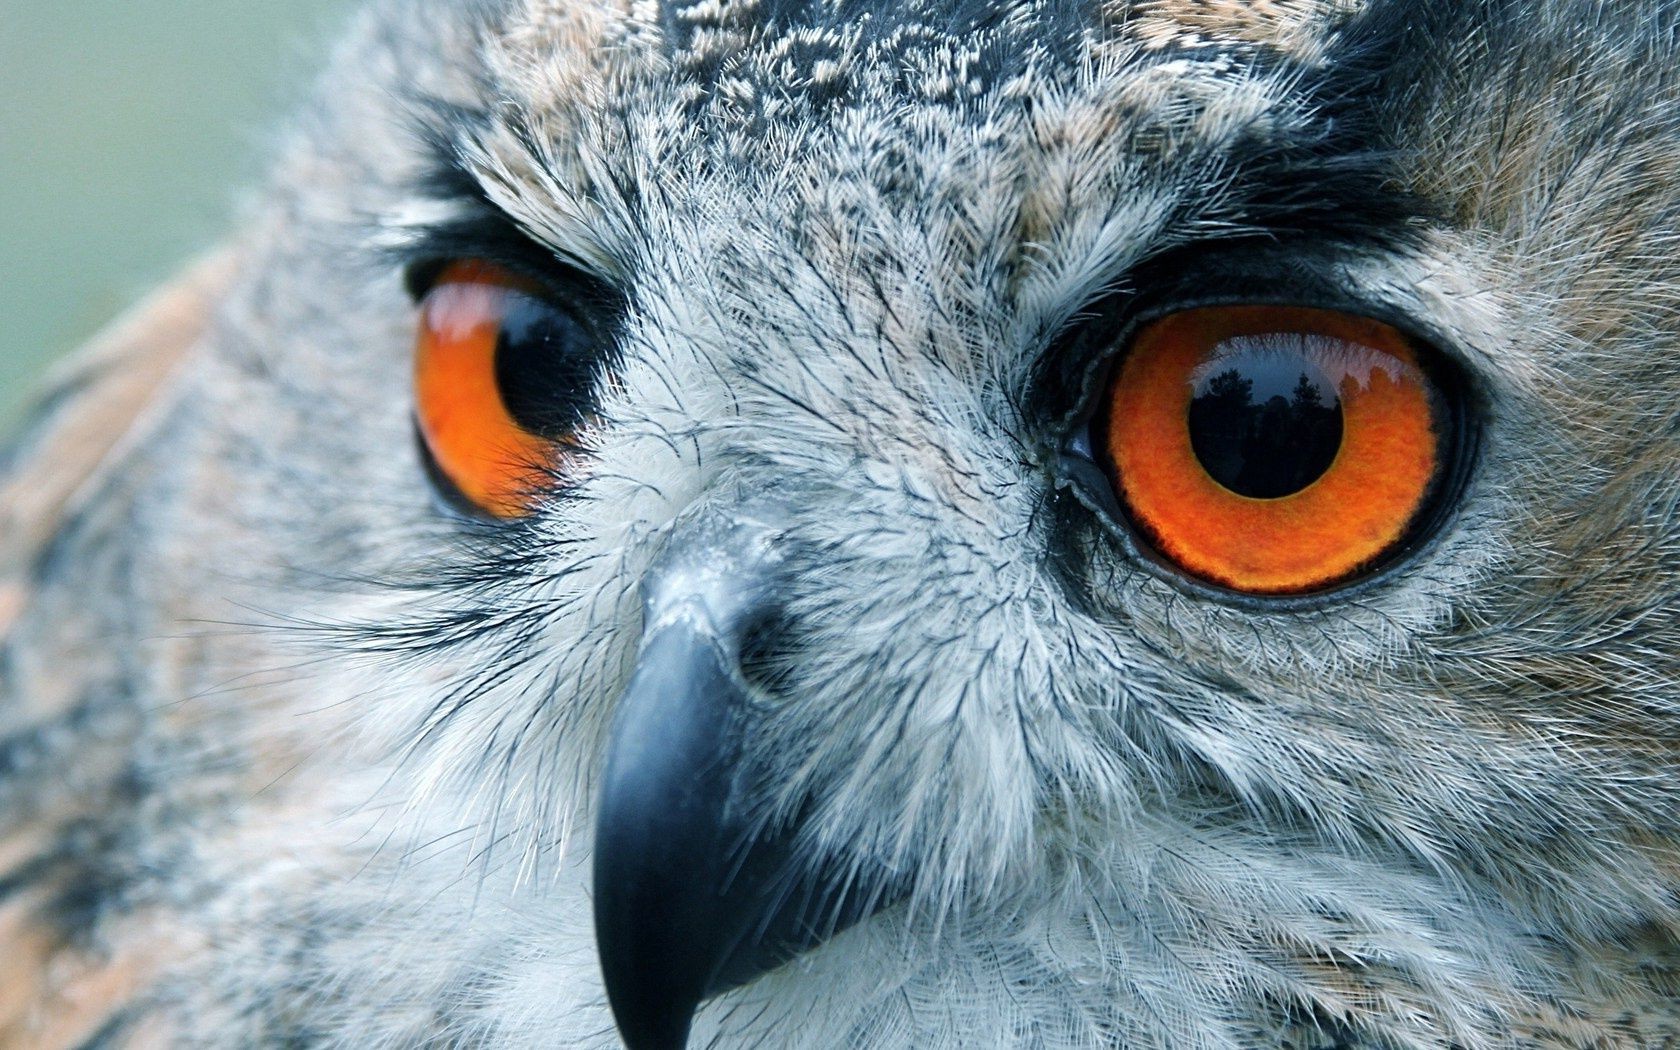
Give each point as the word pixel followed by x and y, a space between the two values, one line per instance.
pixel 291 753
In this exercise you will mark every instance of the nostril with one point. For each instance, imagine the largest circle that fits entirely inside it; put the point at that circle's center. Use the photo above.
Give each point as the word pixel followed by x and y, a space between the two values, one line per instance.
pixel 768 651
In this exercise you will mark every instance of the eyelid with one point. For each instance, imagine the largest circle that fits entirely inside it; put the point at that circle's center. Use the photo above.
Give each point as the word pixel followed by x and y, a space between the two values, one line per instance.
pixel 557 283
pixel 1083 356
pixel 492 237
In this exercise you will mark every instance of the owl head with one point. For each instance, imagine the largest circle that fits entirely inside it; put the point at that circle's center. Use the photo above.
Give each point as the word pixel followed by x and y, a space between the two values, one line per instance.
pixel 838 524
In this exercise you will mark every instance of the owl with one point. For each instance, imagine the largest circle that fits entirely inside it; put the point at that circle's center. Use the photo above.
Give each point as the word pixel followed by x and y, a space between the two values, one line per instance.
pixel 817 523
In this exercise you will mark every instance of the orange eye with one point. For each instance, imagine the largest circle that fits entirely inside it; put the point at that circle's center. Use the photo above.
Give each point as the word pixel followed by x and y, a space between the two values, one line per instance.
pixel 500 377
pixel 1275 450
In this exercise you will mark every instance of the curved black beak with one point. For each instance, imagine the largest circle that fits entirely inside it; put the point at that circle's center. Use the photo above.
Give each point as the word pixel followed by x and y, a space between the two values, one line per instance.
pixel 695 892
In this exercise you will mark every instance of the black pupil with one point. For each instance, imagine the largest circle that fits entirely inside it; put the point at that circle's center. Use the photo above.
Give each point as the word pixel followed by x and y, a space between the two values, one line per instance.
pixel 1265 423
pixel 546 359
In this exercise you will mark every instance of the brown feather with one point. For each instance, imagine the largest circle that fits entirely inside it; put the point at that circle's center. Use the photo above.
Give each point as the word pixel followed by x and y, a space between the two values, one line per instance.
pixel 99 405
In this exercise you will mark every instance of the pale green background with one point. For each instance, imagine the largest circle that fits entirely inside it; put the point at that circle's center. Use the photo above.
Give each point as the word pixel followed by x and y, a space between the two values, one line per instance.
pixel 128 131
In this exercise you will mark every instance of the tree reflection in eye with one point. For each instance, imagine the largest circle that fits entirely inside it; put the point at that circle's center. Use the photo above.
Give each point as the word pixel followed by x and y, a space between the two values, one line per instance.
pixel 1271 447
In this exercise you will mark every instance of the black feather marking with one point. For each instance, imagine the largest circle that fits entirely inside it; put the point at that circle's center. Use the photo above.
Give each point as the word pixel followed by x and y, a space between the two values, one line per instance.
pixel 109 1035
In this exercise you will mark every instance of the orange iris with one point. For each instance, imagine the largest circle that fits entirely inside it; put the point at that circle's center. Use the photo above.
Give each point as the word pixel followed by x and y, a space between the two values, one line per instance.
pixel 473 438
pixel 1271 449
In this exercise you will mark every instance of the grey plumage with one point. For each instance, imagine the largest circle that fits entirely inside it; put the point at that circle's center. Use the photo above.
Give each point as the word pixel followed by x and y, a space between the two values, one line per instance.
pixel 293 755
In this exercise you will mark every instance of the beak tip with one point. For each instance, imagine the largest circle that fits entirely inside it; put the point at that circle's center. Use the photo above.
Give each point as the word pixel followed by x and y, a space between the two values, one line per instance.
pixel 649 972
pixel 646 1022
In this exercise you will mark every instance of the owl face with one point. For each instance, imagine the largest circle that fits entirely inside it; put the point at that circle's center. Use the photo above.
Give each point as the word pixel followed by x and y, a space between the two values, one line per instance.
pixel 1042 524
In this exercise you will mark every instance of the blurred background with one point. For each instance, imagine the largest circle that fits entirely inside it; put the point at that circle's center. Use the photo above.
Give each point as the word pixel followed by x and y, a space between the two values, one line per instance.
pixel 128 131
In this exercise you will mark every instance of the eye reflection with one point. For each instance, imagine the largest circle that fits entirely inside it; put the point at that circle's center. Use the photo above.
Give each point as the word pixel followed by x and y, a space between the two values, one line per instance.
pixel 1274 449
pixel 1265 422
